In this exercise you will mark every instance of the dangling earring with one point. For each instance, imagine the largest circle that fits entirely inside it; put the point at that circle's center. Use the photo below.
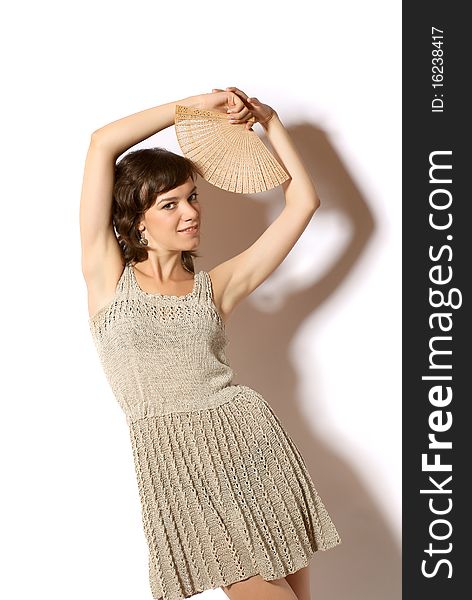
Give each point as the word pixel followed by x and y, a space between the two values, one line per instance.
pixel 142 240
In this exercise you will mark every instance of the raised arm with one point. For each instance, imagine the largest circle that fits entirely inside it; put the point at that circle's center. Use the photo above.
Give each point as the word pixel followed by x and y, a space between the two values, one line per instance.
pixel 118 136
pixel 102 262
pixel 237 277
pixel 101 259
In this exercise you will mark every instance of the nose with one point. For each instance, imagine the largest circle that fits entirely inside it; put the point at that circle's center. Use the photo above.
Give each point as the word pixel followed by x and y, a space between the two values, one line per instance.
pixel 189 211
pixel 189 215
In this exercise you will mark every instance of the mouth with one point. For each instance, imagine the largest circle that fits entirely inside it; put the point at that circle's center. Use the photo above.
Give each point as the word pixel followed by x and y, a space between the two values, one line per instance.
pixel 189 230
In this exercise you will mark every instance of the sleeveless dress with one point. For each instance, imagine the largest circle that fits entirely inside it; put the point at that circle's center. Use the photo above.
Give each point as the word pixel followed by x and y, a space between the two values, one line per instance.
pixel 224 491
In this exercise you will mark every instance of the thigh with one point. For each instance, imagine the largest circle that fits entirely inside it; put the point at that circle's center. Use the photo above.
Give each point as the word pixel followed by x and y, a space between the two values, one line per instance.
pixel 257 588
pixel 300 583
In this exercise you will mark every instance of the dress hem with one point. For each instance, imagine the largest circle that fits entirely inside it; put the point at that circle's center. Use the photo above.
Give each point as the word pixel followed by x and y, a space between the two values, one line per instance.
pixel 230 580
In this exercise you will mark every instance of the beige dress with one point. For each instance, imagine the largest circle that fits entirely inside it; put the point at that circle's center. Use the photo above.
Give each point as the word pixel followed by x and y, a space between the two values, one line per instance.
pixel 224 491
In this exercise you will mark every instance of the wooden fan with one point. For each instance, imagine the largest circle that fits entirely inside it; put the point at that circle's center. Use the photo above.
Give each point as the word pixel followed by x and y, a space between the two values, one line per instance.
pixel 229 155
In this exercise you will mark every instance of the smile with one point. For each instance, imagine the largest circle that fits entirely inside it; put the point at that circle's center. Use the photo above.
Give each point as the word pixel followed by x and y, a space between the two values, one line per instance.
pixel 192 229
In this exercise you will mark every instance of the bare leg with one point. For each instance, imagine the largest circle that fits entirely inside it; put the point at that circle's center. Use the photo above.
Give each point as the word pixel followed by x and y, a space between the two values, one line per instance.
pixel 300 583
pixel 257 588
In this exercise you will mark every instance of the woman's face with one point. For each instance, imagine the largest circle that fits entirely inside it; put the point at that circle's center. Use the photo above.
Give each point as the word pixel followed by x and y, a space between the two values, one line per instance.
pixel 172 212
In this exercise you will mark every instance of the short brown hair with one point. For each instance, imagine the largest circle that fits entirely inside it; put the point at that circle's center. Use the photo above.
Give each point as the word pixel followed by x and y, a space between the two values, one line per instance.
pixel 139 177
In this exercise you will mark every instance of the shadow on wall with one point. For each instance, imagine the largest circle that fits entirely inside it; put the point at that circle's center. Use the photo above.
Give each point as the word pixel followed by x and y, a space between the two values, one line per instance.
pixel 367 565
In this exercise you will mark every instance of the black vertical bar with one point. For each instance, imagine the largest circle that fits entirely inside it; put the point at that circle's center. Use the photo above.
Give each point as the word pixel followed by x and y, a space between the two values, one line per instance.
pixel 437 268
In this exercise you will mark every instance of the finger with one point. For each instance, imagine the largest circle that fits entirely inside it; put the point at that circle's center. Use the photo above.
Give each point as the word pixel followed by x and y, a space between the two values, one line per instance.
pixel 241 115
pixel 216 90
pixel 246 122
pixel 252 121
pixel 231 99
pixel 237 91
pixel 244 98
pixel 253 101
pixel 239 108
pixel 238 104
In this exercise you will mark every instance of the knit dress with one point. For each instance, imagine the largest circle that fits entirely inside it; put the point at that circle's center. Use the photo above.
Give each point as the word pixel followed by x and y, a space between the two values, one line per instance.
pixel 224 491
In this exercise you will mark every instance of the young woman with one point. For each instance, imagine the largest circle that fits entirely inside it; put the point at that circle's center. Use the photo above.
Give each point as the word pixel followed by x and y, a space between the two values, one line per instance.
pixel 227 500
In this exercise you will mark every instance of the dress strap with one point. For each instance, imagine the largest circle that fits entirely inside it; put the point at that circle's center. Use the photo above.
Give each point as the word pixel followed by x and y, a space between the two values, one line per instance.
pixel 205 288
pixel 124 280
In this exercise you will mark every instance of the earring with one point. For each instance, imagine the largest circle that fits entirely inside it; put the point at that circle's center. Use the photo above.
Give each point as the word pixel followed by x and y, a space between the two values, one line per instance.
pixel 142 240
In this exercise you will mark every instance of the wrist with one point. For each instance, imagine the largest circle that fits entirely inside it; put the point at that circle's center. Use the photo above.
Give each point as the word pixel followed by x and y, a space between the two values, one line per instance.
pixel 270 121
pixel 193 101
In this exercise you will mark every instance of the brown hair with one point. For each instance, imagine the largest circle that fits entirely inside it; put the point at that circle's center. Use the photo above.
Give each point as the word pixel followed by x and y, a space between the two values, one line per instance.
pixel 139 177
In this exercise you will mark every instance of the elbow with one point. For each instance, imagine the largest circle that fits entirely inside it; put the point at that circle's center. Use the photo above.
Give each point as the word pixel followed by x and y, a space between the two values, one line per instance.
pixel 96 137
pixel 315 204
pixel 307 200
pixel 99 141
pixel 307 206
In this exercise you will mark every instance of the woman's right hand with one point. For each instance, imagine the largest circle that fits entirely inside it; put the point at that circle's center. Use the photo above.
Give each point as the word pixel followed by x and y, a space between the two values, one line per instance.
pixel 221 101
pixel 262 113
pixel 230 103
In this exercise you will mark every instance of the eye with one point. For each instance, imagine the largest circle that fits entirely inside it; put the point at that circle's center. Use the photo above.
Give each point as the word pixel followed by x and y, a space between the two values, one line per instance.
pixel 194 195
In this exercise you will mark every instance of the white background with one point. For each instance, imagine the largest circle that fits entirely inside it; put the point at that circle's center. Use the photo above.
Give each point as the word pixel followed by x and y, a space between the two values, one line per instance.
pixel 71 523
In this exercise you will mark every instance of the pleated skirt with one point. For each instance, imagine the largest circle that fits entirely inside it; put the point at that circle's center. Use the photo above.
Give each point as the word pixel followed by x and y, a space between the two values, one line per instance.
pixel 225 495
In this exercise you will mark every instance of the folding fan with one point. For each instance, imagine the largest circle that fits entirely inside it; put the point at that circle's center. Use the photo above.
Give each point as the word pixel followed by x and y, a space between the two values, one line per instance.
pixel 229 155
